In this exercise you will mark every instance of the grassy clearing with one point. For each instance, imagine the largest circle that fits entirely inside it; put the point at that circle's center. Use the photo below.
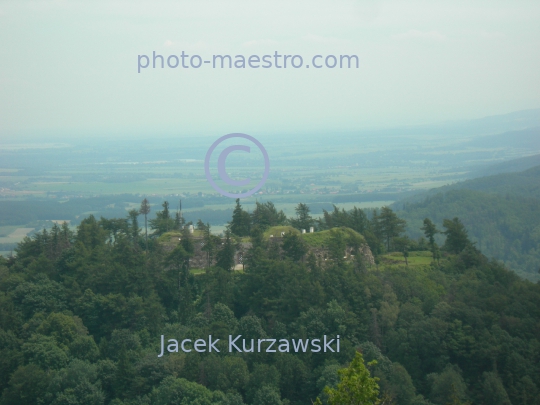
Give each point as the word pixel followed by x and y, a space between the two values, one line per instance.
pixel 169 237
pixel 276 231
pixel 320 239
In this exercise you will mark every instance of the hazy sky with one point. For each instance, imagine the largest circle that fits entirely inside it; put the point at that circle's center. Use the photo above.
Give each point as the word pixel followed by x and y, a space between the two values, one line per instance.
pixel 70 66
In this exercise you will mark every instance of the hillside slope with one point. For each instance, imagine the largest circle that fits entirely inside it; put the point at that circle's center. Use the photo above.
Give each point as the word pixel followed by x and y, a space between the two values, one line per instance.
pixel 501 212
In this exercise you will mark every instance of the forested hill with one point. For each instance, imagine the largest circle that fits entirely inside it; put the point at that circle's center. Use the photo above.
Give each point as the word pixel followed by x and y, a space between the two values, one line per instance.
pixel 509 166
pixel 501 212
pixel 522 184
pixel 81 315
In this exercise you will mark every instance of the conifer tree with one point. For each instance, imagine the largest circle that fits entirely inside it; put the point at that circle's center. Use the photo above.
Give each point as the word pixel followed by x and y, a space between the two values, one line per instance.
pixel 145 210
pixel 133 216
pixel 390 225
pixel 211 243
pixel 457 237
pixel 241 221
pixel 303 218
pixel 294 246
pixel 430 230
pixel 225 257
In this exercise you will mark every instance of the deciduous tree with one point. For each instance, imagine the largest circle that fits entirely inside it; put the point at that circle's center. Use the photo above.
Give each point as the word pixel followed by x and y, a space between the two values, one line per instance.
pixel 355 387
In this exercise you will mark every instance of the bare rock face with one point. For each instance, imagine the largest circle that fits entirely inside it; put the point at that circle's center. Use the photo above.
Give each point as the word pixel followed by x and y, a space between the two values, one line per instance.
pixel 365 251
pixel 322 254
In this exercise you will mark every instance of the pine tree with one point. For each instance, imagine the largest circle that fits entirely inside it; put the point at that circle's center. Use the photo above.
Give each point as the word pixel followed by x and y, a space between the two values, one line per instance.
pixel 211 243
pixel 241 221
pixel 375 225
pixel 457 237
pixel 145 210
pixel 266 215
pixel 358 220
pixel 134 232
pixel 430 230
pixel 163 221
pixel 390 226
pixel 201 226
pixel 178 218
pixel 294 246
pixel 225 256
pixel 66 235
pixel 303 218
pixel 55 248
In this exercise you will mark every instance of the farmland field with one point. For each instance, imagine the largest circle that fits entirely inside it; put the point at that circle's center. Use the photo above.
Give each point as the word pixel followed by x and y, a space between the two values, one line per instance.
pixel 13 234
pixel 69 180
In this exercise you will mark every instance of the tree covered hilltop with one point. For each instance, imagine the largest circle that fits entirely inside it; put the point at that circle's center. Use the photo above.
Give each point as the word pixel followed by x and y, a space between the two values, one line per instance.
pixel 421 321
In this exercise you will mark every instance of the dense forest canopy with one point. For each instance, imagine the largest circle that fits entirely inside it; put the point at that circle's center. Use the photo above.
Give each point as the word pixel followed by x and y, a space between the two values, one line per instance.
pixel 81 314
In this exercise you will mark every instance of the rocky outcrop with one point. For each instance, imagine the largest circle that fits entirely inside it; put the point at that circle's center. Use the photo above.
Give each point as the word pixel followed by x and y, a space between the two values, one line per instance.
pixel 200 257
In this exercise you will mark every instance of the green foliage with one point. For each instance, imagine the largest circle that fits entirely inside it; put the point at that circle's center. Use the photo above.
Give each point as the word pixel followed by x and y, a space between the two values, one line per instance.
pixel 303 218
pixel 321 239
pixel 294 246
pixel 267 395
pixel 43 295
pixel 76 384
pixel 241 221
pixel 81 324
pixel 493 390
pixel 355 219
pixel 44 352
pixel 504 226
pixel 179 391
pixel 395 382
pixel 225 256
pixel 457 238
pixel 27 385
pixel 355 385
pixel 211 245
pixel 263 379
pixel 430 230
pixel 447 387
pixel 266 215
pixel 387 226
pixel 163 221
